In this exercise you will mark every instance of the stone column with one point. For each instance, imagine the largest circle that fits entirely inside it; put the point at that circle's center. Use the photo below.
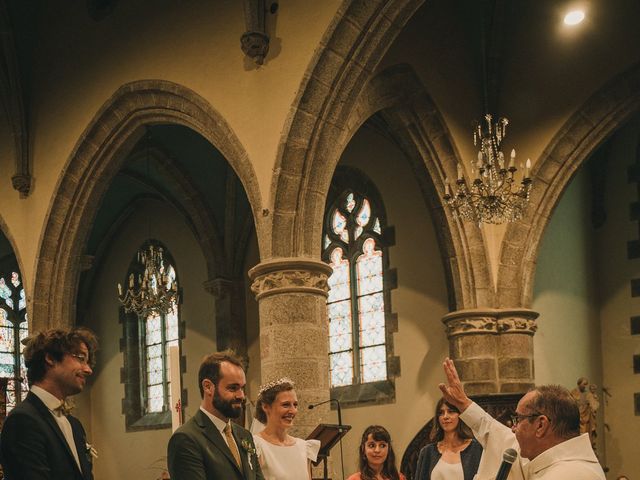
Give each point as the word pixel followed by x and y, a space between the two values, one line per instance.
pixel 492 349
pixel 230 315
pixel 292 295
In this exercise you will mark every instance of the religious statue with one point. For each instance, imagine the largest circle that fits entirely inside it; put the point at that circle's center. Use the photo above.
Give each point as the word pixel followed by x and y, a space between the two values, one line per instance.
pixel 588 403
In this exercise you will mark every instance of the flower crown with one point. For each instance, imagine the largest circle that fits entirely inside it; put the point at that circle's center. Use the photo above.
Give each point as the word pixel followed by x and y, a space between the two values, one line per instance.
pixel 274 383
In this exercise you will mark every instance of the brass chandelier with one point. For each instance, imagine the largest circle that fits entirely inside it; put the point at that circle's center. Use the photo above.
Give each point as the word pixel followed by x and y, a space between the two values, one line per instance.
pixel 493 196
pixel 153 292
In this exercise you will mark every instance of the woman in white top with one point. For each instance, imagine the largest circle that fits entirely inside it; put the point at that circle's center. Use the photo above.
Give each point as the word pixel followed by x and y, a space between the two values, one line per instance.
pixel 281 456
pixel 454 453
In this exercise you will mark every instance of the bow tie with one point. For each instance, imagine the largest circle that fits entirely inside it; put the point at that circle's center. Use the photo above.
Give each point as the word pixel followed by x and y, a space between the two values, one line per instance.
pixel 64 408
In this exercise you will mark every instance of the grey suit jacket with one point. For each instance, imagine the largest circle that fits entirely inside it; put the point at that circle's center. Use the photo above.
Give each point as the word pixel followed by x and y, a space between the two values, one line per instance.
pixel 197 451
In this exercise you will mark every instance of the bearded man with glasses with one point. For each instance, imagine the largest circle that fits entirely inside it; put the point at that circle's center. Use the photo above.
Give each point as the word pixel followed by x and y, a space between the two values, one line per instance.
pixel 545 431
pixel 39 439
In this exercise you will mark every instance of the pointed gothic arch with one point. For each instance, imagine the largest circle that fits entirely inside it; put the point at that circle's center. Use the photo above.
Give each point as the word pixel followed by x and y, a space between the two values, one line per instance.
pixel 601 115
pixel 97 156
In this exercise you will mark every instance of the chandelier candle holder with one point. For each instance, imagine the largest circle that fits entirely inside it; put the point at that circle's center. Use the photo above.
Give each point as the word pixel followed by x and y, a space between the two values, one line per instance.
pixel 153 292
pixel 493 196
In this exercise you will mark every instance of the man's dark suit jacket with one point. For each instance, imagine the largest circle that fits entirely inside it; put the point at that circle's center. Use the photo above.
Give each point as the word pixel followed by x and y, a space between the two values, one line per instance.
pixel 197 451
pixel 34 448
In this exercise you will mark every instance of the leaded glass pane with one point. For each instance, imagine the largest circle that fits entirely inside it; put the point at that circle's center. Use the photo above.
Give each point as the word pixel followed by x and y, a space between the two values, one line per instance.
pixel 340 334
pixel 350 202
pixel 339 223
pixel 338 282
pixel 357 233
pixel 373 361
pixel 369 269
pixel 376 227
pixel 22 304
pixel 171 323
pixel 341 368
pixel 154 351
pixel 153 334
pixel 15 279
pixel 327 241
pixel 372 331
pixel 156 398
pixel 5 291
pixel 364 214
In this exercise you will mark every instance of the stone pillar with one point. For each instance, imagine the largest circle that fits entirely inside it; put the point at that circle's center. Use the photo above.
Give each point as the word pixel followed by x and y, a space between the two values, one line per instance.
pixel 492 349
pixel 230 314
pixel 292 296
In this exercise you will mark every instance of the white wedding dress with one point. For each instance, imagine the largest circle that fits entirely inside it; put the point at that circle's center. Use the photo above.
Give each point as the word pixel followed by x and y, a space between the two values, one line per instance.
pixel 286 463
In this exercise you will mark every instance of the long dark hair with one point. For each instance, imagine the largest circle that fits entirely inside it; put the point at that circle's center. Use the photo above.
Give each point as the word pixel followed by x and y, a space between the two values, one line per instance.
pixel 437 433
pixel 389 469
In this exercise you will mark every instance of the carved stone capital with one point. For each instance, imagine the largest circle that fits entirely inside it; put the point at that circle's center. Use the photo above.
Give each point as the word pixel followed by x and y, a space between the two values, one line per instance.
pixel 290 275
pixel 218 287
pixel 517 325
pixel 464 325
pixel 255 45
pixel 22 183
pixel 490 321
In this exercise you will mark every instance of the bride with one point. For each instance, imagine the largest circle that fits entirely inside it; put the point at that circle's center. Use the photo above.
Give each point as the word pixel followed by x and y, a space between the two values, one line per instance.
pixel 281 456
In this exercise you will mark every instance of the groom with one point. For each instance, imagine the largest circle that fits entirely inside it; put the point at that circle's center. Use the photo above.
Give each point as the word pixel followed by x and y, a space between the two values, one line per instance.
pixel 209 446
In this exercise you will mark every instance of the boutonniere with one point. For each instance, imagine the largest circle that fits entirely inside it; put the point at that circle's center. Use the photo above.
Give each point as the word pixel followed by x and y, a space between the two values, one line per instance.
pixel 90 451
pixel 250 448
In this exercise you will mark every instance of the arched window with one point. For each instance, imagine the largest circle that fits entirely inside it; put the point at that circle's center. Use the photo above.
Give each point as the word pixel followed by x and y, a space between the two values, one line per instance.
pixel 13 329
pixel 160 333
pixel 354 244
pixel 147 340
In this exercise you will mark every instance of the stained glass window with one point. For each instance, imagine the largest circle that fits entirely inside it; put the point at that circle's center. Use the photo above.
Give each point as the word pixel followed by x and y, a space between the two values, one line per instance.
pixel 13 329
pixel 353 247
pixel 159 333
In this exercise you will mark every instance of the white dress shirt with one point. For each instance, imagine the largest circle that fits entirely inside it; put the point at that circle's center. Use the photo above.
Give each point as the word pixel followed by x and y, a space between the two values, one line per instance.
pixel 52 402
pixel 220 425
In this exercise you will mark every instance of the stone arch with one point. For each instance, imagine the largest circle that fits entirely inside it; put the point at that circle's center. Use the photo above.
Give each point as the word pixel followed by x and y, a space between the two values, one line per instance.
pixel 420 130
pixel 603 113
pixel 314 135
pixel 97 156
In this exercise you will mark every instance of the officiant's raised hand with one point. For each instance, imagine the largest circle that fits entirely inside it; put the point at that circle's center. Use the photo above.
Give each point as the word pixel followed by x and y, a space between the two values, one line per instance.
pixel 453 391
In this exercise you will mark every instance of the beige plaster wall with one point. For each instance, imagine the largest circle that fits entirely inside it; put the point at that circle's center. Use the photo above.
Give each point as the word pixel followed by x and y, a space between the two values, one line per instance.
pixel 76 69
pixel 420 300
pixel 565 293
pixel 567 343
pixel 136 455
pixel 617 306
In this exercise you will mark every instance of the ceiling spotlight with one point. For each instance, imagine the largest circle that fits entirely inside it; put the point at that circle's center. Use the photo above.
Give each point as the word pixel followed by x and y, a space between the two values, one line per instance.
pixel 574 17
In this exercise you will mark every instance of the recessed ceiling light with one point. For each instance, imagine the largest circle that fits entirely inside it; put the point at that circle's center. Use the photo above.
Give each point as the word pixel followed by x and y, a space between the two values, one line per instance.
pixel 574 17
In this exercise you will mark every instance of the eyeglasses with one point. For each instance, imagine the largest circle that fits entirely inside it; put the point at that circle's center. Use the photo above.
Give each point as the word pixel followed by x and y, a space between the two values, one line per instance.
pixel 515 419
pixel 81 357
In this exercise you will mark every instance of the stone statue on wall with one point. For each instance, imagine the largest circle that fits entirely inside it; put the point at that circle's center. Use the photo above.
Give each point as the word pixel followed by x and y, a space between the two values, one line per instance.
pixel 588 403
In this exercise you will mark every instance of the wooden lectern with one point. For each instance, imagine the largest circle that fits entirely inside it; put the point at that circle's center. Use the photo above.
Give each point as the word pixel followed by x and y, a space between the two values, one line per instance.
pixel 328 435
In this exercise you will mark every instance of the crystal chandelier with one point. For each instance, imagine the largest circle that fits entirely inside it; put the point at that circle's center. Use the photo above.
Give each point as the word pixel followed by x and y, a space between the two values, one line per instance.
pixel 493 196
pixel 153 292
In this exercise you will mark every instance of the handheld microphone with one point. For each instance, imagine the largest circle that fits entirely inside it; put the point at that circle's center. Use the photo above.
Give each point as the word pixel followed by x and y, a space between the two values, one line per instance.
pixel 314 405
pixel 508 457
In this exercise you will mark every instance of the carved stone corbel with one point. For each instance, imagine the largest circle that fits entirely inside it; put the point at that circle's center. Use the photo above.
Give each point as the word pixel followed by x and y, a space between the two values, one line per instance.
pixel 255 41
pixel 14 102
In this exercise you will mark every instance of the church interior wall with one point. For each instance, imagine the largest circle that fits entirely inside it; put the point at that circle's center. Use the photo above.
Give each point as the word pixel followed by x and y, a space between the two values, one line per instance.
pixel 130 455
pixel 616 270
pixel 567 343
pixel 253 328
pixel 420 301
